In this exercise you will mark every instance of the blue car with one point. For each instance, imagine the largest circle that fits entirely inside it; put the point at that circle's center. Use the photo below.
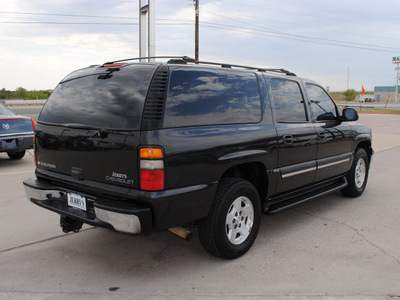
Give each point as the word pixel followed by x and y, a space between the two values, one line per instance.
pixel 16 133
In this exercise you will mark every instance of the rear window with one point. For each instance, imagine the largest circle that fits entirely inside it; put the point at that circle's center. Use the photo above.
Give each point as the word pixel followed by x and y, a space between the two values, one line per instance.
pixel 288 101
pixel 106 101
pixel 5 112
pixel 203 97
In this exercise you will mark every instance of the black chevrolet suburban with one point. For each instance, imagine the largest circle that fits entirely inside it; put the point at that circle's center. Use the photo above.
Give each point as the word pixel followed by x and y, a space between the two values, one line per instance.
pixel 139 147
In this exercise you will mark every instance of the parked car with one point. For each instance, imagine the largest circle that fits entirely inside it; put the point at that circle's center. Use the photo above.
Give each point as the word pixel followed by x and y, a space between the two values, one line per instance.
pixel 365 98
pixel 139 147
pixel 16 133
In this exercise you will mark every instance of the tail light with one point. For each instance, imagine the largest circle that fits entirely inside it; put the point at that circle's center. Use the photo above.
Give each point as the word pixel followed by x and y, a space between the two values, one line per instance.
pixel 151 162
pixel 34 145
pixel 33 124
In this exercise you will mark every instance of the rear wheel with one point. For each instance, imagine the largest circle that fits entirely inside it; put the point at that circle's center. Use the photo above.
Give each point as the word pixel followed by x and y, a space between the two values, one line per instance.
pixel 358 175
pixel 16 154
pixel 231 228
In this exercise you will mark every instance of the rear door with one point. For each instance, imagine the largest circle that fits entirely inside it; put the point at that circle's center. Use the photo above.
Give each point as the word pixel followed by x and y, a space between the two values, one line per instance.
pixel 297 138
pixel 89 128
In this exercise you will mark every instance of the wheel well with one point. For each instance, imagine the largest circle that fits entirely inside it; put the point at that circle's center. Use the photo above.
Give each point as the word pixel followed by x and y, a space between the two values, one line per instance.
pixel 254 172
pixel 367 147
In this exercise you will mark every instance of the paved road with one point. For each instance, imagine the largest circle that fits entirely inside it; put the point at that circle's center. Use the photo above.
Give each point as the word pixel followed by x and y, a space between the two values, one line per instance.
pixel 31 111
pixel 330 248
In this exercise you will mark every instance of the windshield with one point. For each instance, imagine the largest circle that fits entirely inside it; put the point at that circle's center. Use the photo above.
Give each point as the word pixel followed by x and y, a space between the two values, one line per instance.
pixel 112 100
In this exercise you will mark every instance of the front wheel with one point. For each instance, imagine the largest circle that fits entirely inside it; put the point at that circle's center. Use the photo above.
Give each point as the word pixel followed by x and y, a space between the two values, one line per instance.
pixel 358 175
pixel 232 225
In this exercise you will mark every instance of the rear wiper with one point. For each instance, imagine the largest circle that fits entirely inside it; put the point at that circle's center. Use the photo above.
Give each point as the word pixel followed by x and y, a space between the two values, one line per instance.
pixel 90 127
pixel 80 126
pixel 94 131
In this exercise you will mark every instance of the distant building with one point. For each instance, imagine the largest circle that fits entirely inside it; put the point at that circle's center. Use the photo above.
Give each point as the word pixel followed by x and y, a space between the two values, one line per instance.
pixel 385 93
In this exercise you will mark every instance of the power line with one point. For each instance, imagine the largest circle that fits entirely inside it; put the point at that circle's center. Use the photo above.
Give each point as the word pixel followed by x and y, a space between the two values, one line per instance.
pixel 317 6
pixel 307 39
pixel 295 25
pixel 304 38
pixel 64 15
pixel 89 23
pixel 260 31
pixel 295 35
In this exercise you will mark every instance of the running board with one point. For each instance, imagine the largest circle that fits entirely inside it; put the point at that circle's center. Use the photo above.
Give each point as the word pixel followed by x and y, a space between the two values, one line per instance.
pixel 276 204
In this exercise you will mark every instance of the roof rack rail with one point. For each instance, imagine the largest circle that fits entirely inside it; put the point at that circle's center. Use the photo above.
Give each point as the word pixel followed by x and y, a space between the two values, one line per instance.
pixel 187 59
pixel 224 65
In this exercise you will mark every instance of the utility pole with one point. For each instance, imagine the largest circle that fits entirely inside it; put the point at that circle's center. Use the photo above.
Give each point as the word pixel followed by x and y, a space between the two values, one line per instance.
pixel 196 35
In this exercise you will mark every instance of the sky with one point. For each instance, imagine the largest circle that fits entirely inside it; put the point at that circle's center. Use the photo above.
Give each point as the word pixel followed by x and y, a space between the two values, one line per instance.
pixel 340 44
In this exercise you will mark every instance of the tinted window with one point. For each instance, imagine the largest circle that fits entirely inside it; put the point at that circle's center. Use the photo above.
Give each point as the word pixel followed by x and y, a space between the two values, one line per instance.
pixel 321 104
pixel 199 97
pixel 105 101
pixel 288 101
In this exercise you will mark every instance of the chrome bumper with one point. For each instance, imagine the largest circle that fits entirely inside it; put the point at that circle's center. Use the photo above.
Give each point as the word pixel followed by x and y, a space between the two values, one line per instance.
pixel 127 219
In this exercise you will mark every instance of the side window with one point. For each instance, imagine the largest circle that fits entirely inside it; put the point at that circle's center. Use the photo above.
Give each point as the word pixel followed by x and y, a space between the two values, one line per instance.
pixel 203 97
pixel 288 101
pixel 322 106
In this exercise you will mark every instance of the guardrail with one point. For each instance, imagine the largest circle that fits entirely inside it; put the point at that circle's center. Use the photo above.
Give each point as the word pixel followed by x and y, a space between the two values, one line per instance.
pixel 24 102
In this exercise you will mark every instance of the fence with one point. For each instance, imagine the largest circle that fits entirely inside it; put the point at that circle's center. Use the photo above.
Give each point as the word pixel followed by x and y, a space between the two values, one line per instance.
pixel 24 102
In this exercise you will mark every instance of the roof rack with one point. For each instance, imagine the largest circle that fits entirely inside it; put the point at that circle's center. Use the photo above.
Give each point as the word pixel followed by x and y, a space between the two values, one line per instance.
pixel 186 59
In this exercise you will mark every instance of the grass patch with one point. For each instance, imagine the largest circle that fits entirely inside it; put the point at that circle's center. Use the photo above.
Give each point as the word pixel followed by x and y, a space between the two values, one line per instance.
pixel 377 110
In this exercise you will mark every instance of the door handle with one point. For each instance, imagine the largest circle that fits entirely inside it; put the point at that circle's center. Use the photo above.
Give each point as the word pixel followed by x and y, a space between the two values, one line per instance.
pixel 321 135
pixel 287 139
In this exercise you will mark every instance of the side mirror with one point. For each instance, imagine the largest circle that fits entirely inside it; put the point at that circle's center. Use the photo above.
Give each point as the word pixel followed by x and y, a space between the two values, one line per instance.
pixel 326 117
pixel 349 114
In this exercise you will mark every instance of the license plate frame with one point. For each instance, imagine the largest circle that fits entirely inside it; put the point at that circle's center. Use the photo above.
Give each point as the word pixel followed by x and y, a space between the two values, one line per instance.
pixel 77 201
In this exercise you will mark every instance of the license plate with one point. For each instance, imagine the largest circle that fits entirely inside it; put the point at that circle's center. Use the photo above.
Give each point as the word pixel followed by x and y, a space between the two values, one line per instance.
pixel 77 201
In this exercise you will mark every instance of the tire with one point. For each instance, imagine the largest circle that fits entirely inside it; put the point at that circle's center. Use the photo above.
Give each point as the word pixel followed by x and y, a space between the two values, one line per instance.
pixel 232 225
pixel 16 154
pixel 358 175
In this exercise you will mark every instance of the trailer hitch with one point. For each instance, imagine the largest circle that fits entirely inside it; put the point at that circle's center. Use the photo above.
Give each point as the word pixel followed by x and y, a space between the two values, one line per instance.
pixel 68 224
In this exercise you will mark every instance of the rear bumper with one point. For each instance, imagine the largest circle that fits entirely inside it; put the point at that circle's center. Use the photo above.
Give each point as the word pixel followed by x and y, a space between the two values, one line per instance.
pixel 15 143
pixel 121 216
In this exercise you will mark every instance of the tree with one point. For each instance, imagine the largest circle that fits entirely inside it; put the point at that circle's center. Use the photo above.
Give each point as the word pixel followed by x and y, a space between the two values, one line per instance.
pixel 350 94
pixel 4 94
pixel 21 93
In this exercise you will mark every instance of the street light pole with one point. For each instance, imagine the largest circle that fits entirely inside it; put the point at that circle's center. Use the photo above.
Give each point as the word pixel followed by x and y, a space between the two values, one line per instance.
pixel 147 13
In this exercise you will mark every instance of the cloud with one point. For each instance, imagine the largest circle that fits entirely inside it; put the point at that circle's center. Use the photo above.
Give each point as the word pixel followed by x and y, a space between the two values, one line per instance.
pixel 295 34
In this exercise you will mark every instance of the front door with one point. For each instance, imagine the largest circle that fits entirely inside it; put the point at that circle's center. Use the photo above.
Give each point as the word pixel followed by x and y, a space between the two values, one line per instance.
pixel 334 137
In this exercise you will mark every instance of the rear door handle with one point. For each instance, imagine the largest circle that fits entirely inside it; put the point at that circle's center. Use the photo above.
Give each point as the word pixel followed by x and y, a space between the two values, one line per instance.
pixel 287 139
pixel 321 135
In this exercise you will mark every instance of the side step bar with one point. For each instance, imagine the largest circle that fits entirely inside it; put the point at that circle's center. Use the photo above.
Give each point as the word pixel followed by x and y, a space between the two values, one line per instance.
pixel 281 202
